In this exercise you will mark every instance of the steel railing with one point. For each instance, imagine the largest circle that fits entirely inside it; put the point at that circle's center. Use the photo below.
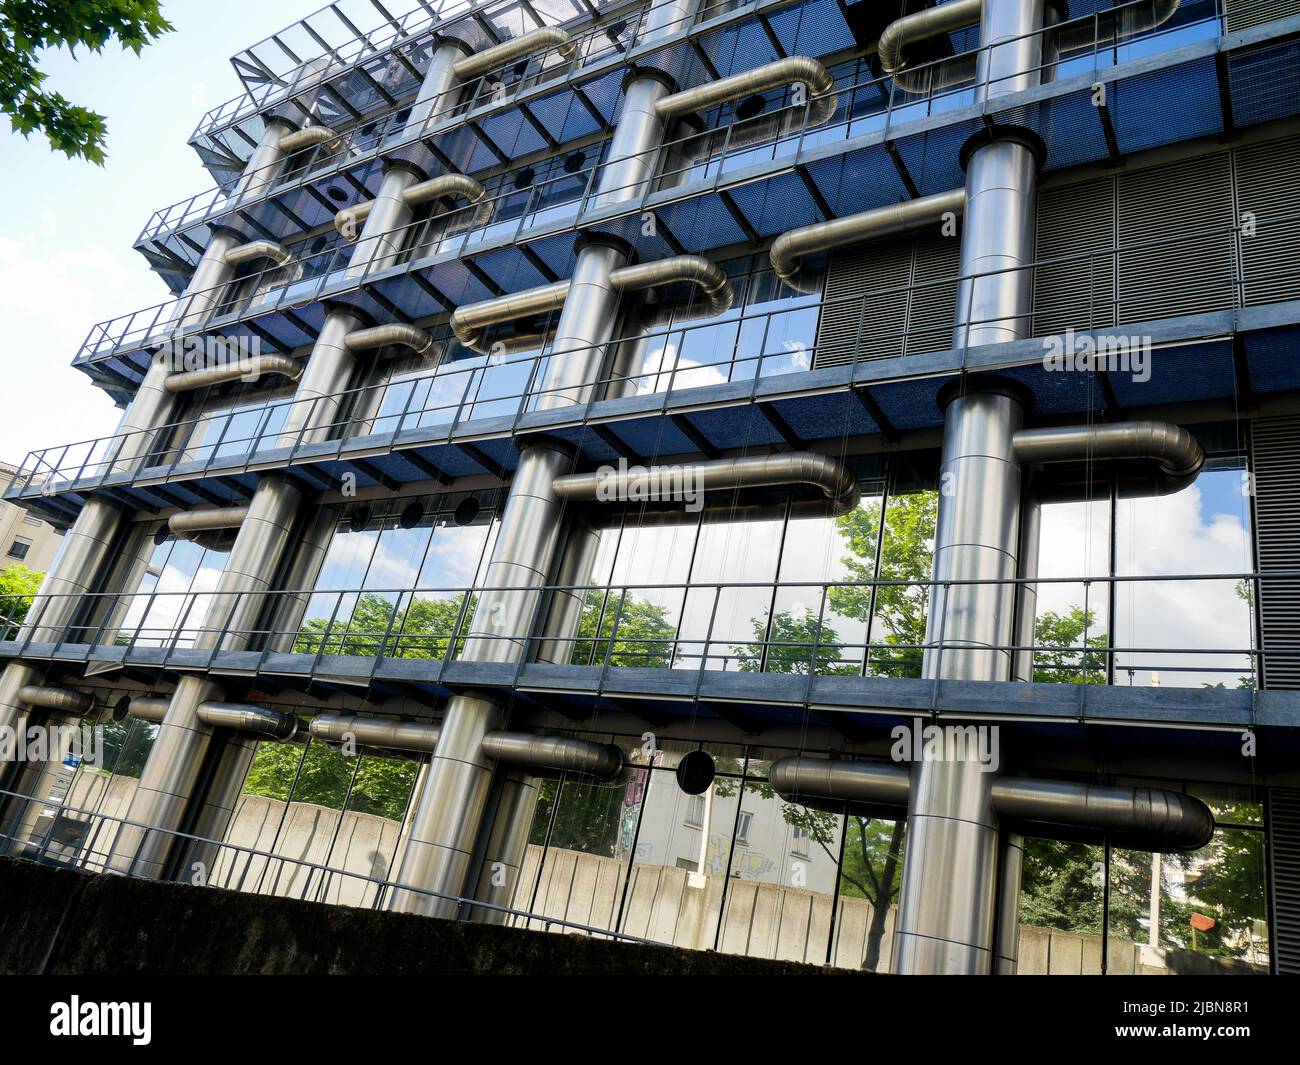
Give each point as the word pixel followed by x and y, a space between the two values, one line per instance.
pixel 73 839
pixel 748 345
pixel 865 104
pixel 325 623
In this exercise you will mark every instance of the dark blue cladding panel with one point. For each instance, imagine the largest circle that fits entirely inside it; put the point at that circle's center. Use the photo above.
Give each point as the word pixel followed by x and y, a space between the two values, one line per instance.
pixel 1201 371
pixel 767 205
pixel 1165 106
pixel 1273 359
pixel 1256 76
pixel 826 417
pixel 911 404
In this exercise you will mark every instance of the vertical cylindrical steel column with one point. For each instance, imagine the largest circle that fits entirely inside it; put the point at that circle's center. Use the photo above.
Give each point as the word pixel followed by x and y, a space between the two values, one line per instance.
pixel 452 803
pixel 264 164
pixel 1031 525
pixel 436 98
pixel 318 399
pixel 997 249
pixel 449 816
pixel 507 843
pixel 384 232
pixel 948 899
pixel 1010 864
pixel 170 777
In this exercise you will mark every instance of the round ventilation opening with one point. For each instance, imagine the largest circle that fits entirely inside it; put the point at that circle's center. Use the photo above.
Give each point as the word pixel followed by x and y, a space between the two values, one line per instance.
pixel 466 511
pixel 162 534
pixel 695 772
pixel 411 516
pixel 524 179
pixel 750 107
pixel 573 162
pixel 359 518
pixel 336 194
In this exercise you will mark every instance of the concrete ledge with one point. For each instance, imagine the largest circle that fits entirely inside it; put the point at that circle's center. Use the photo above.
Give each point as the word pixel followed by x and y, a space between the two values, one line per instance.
pixel 63 921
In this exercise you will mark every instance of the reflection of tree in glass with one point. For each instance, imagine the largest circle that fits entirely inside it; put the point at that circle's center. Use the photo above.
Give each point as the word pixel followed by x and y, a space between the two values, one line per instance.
pixel 873 849
pixel 423 630
pixel 328 777
pixel 18 584
pixel 644 638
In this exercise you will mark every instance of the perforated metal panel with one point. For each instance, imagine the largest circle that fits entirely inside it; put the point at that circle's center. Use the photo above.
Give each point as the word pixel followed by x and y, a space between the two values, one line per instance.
pixel 1268 177
pixel 1071 291
pixel 1284 849
pixel 896 298
pixel 1243 13
pixel 1276 458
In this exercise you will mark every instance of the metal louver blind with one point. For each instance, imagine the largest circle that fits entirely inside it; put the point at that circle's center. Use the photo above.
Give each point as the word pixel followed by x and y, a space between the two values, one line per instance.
pixel 1268 176
pixel 936 262
pixel 1275 446
pixel 1243 13
pixel 894 298
pixel 1173 274
pixel 1076 292
pixel 1284 849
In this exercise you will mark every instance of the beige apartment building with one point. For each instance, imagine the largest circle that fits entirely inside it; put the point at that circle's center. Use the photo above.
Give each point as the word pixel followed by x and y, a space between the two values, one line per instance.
pixel 24 538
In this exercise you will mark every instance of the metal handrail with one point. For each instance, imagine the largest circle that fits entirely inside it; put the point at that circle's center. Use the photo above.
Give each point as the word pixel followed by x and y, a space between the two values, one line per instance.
pixel 216 202
pixel 339 639
pixel 42 470
pixel 385 886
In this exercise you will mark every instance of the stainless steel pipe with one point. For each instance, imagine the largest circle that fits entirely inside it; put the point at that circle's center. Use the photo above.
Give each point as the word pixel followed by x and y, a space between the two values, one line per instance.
pixel 250 370
pixel 799 69
pixel 759 471
pixel 471 323
pixel 789 249
pixel 393 334
pixel 1177 454
pixel 385 733
pixel 61 700
pixel 258 249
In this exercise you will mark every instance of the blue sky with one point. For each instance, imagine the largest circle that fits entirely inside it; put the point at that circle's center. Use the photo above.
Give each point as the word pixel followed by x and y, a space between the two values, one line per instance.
pixel 66 260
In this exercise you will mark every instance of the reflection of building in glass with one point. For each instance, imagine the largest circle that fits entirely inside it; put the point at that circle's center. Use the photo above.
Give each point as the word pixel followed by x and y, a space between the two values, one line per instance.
pixel 386 596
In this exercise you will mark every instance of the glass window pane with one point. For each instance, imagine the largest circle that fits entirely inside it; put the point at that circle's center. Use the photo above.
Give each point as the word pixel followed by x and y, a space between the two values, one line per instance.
pixel 1061 892
pixel 870 877
pixel 1176 629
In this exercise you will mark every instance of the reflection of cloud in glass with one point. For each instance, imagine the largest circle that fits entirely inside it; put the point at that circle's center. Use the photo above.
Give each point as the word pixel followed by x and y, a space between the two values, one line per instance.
pixel 1202 529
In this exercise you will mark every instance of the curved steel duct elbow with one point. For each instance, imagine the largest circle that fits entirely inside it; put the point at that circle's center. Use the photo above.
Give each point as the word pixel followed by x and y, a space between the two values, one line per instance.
pixel 258 249
pixel 350 220
pixel 1147 818
pixel 1177 454
pixel 796 68
pixel 537 40
pixel 61 700
pixel 305 138
pixel 1112 25
pixel 569 754
pixel 763 471
pixel 393 333
pixel 384 733
pixel 790 248
pixel 707 275
pixel 471 323
pixel 923 26
pixel 249 370
pixel 801 779
pixel 248 717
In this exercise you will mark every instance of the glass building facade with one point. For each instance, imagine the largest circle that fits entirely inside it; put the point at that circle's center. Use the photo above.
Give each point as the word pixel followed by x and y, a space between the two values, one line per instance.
pixel 574 395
